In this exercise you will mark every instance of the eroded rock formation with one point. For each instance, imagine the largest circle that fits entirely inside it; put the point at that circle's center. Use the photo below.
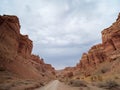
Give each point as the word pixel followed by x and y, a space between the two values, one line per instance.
pixel 15 52
pixel 108 50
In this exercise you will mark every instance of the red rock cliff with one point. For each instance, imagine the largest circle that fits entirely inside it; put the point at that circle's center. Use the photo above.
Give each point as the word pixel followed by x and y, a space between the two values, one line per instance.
pixel 15 52
pixel 108 50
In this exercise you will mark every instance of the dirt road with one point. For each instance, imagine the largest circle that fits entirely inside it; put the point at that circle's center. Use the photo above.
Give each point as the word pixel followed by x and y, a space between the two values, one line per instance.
pixel 57 85
pixel 51 86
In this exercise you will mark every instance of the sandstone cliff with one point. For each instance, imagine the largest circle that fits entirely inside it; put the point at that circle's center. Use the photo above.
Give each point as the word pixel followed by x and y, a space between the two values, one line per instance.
pixel 101 59
pixel 15 52
pixel 107 51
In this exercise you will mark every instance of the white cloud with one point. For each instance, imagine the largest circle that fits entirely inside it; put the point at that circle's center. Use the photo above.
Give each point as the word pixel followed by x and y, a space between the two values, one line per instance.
pixel 62 29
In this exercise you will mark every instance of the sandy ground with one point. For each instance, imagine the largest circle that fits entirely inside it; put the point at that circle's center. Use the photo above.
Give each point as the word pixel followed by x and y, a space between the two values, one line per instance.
pixel 57 85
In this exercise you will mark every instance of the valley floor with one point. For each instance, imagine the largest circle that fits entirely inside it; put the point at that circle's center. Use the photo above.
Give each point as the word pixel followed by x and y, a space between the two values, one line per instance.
pixel 57 85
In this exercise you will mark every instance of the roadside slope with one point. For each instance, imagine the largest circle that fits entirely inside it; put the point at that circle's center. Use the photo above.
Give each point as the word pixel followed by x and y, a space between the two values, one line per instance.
pixel 57 85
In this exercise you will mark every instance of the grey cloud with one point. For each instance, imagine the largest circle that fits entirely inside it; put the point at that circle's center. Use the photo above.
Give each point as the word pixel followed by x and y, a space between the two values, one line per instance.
pixel 62 30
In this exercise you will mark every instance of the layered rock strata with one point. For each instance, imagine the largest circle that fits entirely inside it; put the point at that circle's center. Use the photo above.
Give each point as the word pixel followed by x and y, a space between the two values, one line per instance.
pixel 15 52
pixel 108 50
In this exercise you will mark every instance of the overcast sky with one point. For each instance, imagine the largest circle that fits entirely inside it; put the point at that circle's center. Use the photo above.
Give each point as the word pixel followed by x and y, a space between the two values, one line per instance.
pixel 61 30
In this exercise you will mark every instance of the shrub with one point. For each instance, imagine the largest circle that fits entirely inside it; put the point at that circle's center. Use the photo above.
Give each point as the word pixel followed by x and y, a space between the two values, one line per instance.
pixel 116 77
pixel 104 70
pixel 78 78
pixel 2 68
pixel 109 85
pixel 77 83
pixel 96 78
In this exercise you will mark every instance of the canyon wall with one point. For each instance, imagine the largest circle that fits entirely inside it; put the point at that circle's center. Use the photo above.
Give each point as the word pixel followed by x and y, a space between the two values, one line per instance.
pixel 15 52
pixel 99 56
pixel 107 51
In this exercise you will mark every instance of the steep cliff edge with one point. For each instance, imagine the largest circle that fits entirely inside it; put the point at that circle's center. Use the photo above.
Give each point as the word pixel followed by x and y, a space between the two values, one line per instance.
pixel 107 51
pixel 15 53
pixel 101 59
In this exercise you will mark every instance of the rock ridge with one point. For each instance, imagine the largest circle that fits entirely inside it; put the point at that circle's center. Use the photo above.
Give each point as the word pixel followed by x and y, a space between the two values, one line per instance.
pixel 107 51
pixel 15 52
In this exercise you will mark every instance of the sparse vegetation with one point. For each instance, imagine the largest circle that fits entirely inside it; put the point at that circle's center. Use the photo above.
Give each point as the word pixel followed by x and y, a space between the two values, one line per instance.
pixel 77 83
pixel 110 85
pixel 116 77
pixel 2 69
pixel 96 78
pixel 78 78
pixel 104 70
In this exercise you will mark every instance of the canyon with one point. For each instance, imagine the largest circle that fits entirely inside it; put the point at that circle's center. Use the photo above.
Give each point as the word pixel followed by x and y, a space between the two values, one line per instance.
pixel 16 58
pixel 21 69
pixel 107 51
pixel 102 61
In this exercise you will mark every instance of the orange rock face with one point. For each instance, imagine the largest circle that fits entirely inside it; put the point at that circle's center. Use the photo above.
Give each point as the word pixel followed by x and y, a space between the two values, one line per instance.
pixel 15 52
pixel 108 50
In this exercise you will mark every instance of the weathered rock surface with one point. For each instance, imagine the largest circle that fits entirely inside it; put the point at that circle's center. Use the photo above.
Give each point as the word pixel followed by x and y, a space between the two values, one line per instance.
pixel 108 50
pixel 15 52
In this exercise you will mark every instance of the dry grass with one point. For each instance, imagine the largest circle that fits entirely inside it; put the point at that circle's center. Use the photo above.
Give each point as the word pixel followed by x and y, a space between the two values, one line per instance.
pixel 96 78
pixel 9 81
pixel 77 83
pixel 110 85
